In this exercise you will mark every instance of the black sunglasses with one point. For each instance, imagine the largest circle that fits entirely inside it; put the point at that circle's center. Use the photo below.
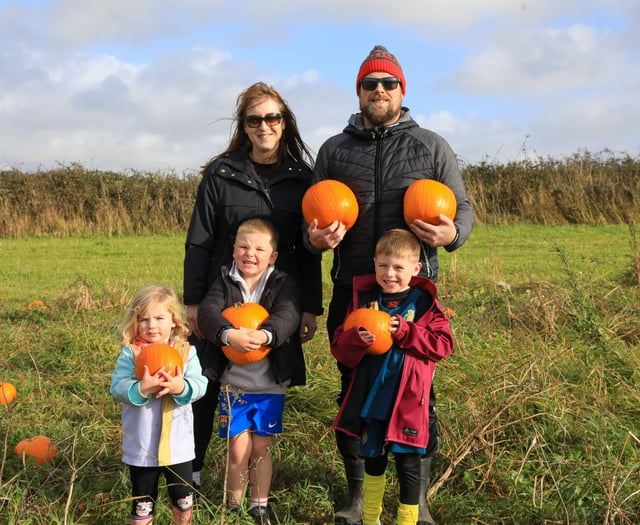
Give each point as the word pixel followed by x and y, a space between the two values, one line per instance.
pixel 388 83
pixel 272 120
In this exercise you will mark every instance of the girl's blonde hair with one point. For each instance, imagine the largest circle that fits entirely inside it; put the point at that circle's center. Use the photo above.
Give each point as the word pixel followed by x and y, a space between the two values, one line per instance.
pixel 152 295
pixel 399 242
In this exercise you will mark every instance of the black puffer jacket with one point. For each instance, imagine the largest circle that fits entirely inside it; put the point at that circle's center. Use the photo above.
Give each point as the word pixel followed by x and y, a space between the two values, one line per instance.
pixel 230 192
pixel 379 165
pixel 281 299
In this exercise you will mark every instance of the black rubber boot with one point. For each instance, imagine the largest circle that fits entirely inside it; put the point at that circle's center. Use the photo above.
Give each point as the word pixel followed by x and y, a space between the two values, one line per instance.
pixel 424 516
pixel 349 448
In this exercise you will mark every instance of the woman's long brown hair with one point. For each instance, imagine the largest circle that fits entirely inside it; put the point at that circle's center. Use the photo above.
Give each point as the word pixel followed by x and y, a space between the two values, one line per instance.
pixel 291 142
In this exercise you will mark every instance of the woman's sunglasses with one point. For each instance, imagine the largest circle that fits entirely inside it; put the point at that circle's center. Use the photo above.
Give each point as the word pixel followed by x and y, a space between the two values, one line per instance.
pixel 272 120
pixel 388 83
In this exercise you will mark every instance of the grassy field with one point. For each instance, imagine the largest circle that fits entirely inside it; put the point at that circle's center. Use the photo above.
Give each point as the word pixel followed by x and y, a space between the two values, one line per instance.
pixel 539 405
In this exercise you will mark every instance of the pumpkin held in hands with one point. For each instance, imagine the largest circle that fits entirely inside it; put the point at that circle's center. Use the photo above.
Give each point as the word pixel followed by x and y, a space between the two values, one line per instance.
pixel 426 199
pixel 374 321
pixel 328 201
pixel 246 315
pixel 158 355
pixel 7 393
pixel 39 448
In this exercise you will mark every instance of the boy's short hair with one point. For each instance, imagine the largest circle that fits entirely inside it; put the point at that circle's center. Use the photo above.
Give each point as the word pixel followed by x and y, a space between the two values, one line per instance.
pixel 399 242
pixel 260 225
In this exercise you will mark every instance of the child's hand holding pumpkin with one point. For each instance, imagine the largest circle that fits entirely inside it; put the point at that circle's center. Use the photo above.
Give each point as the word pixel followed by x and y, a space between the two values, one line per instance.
pixel 246 339
pixel 150 384
pixel 171 384
pixel 162 382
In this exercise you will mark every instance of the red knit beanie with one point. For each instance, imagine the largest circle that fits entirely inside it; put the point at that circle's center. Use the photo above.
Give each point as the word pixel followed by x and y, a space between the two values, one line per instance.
pixel 381 60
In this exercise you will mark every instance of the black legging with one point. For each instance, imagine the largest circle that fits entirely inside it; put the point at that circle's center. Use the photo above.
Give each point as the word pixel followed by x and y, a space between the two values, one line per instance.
pixel 408 469
pixel 340 301
pixel 204 411
pixel 144 487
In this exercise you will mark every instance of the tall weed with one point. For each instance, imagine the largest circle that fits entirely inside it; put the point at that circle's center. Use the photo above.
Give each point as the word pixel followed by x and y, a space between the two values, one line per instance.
pixel 583 188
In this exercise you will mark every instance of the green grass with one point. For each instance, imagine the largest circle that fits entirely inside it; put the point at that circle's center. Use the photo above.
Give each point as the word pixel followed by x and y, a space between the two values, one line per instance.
pixel 47 267
pixel 539 405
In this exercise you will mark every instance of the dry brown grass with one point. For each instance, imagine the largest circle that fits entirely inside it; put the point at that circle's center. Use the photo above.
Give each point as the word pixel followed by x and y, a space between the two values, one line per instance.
pixel 72 200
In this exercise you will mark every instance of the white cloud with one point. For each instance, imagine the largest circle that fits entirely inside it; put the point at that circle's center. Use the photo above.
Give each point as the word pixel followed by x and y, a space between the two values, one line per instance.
pixel 474 138
pixel 540 60
pixel 76 22
pixel 153 84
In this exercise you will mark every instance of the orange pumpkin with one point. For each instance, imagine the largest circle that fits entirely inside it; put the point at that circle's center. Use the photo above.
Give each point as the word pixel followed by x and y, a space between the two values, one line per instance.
pixel 426 199
pixel 157 355
pixel 246 315
pixel 39 448
pixel 7 393
pixel 330 200
pixel 374 321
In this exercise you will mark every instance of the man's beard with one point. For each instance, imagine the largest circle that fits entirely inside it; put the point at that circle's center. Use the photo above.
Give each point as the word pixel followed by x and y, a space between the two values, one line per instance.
pixel 378 117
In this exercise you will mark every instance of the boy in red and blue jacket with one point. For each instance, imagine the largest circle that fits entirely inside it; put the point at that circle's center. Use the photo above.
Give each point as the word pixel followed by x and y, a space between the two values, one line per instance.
pixel 387 402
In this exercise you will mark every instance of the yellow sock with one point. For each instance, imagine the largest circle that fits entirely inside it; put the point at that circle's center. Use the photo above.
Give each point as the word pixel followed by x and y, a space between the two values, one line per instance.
pixel 407 514
pixel 372 494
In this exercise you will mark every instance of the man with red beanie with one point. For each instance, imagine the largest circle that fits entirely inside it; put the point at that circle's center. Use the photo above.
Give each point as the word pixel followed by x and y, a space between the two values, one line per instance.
pixel 378 155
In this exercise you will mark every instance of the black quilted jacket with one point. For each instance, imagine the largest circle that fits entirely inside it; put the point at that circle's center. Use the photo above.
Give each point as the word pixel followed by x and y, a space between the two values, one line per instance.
pixel 379 165
pixel 230 192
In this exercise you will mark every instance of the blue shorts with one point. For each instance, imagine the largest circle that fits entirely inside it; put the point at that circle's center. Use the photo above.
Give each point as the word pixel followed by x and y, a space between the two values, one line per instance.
pixel 260 413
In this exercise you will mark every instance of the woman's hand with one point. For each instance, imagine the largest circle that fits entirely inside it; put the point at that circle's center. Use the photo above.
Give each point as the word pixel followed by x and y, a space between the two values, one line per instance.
pixel 308 326
pixel 192 320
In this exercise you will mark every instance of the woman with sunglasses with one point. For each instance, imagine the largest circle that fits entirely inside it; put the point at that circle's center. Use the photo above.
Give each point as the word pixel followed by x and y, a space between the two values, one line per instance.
pixel 264 171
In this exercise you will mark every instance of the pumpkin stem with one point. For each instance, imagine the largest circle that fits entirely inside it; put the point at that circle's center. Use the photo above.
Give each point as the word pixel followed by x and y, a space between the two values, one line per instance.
pixel 373 305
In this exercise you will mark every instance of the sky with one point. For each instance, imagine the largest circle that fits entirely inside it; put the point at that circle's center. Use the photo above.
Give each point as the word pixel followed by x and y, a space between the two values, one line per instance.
pixel 151 85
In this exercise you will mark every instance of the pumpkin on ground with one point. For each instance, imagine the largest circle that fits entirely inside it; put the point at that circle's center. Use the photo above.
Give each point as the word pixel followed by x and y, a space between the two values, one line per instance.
pixel 7 393
pixel 374 321
pixel 157 355
pixel 39 448
pixel 246 315
pixel 426 199
pixel 328 201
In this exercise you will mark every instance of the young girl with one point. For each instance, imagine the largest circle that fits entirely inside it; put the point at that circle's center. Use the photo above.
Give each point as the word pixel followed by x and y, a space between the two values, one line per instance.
pixel 157 408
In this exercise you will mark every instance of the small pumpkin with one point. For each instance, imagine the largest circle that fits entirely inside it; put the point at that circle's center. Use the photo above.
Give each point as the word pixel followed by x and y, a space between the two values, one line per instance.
pixel 39 448
pixel 157 355
pixel 426 199
pixel 7 393
pixel 330 200
pixel 246 315
pixel 374 321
